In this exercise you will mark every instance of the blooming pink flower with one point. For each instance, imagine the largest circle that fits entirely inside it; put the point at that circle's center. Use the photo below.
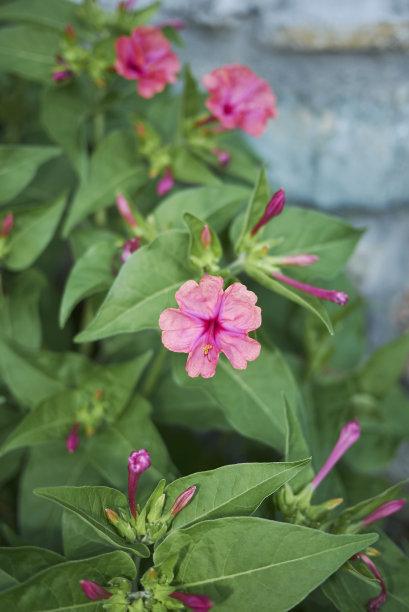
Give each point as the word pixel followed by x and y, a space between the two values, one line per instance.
pixel 338 297
pixel 129 247
pixel 165 183
pixel 138 462
pixel 146 57
pixel 377 602
pixel 125 210
pixel 73 439
pixel 383 511
pixel 274 208
pixel 94 591
pixel 7 225
pixel 197 603
pixel 183 500
pixel 210 321
pixel 239 98
pixel 349 434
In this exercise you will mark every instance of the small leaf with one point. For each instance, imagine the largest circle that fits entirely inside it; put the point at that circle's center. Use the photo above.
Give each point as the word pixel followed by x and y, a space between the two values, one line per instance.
pixel 28 51
pixel 255 207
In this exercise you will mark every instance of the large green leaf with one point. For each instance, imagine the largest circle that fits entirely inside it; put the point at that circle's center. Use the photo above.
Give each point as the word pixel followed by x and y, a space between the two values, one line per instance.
pixel 145 285
pixel 384 367
pixel 28 51
pixel 88 503
pixel 189 168
pixel 231 490
pixel 19 163
pixel 251 399
pixel 47 13
pixel 22 562
pixel 33 231
pixel 249 563
pixel 58 588
pixel 114 168
pixel 92 273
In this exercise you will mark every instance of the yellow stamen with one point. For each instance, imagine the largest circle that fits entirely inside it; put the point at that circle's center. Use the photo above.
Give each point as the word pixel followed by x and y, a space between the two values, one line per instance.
pixel 207 348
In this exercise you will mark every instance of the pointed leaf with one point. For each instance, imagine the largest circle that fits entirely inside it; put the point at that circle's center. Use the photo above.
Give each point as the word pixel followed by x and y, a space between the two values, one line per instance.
pixel 28 51
pixel 255 207
pixel 22 562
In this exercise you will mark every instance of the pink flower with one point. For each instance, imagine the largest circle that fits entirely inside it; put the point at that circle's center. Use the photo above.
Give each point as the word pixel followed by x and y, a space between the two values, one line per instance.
pixel 94 591
pixel 183 500
pixel 338 297
pixel 165 183
pixel 377 602
pixel 383 511
pixel 138 462
pixel 125 210
pixel 146 57
pixel 7 225
pixel 73 439
pixel 129 247
pixel 210 321
pixel 349 434
pixel 239 98
pixel 274 208
pixel 197 603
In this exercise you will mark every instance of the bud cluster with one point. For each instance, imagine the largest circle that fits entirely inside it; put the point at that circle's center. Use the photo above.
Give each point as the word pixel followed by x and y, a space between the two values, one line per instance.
pixel 88 418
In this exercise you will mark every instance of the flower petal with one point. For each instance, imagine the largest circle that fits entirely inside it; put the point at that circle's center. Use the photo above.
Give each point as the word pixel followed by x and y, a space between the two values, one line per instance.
pixel 238 311
pixel 238 348
pixel 202 361
pixel 201 300
pixel 179 331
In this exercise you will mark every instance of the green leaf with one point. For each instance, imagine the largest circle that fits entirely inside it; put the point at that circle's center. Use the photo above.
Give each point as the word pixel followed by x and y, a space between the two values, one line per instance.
pixel 80 540
pixel 28 51
pixel 251 399
pixel 32 233
pixel 19 309
pixel 200 254
pixel 19 163
pixel 232 490
pixel 145 285
pixel 254 563
pixel 188 168
pixel 215 205
pixel 92 273
pixel 58 588
pixel 192 98
pixel 88 503
pixel 384 367
pixel 307 301
pixel 22 562
pixel 296 446
pixel 47 13
pixel 114 168
pixel 255 207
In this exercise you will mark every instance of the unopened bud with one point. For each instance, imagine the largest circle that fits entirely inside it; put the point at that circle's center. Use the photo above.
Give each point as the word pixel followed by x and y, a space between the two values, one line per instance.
pixel 273 209
pixel 94 591
pixel 331 504
pixel 223 157
pixel 72 441
pixel 112 516
pixel 165 183
pixel 206 237
pixel 70 33
pixel 7 225
pixel 183 500
pixel 125 210
pixel 138 462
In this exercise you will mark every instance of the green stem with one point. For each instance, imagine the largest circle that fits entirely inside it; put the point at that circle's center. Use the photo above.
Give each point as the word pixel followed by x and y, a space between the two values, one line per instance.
pixel 237 266
pixel 154 372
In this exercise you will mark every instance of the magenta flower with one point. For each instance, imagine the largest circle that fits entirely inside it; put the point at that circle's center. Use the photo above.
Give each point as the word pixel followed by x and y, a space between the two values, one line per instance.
pixel 7 225
pixel 165 183
pixel 274 208
pixel 338 297
pixel 94 591
pixel 206 237
pixel 73 439
pixel 183 500
pixel 146 57
pixel 125 210
pixel 223 157
pixel 349 434
pixel 303 259
pixel 239 98
pixel 210 321
pixel 377 602
pixel 383 511
pixel 197 603
pixel 129 247
pixel 138 462
pixel 62 75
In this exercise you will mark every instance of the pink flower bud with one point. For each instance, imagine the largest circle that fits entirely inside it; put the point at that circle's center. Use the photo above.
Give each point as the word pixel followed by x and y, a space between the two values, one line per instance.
pixel 273 209
pixel 62 75
pixel 166 183
pixel 223 157
pixel 125 210
pixel 349 434
pixel 383 511
pixel 338 297
pixel 112 516
pixel 303 259
pixel 7 225
pixel 206 237
pixel 377 602
pixel 94 591
pixel 70 32
pixel 197 603
pixel 73 439
pixel 183 500
pixel 129 247
pixel 138 462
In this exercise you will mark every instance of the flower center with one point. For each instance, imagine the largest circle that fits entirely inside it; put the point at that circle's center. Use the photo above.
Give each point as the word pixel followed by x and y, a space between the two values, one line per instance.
pixel 227 108
pixel 207 348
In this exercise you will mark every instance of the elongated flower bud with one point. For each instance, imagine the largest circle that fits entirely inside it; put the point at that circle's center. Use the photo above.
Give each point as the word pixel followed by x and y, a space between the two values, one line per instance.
pixel 197 603
pixel 94 591
pixel 206 237
pixel 349 434
pixel 273 209
pixel 377 602
pixel 138 462
pixel 383 511
pixel 338 297
pixel 223 157
pixel 7 225
pixel 303 259
pixel 165 183
pixel 73 439
pixel 183 500
pixel 69 32
pixel 112 516
pixel 125 210
pixel 129 247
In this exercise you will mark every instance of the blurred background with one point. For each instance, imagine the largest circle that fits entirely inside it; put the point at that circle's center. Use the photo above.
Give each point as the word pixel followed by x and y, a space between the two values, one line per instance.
pixel 340 71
